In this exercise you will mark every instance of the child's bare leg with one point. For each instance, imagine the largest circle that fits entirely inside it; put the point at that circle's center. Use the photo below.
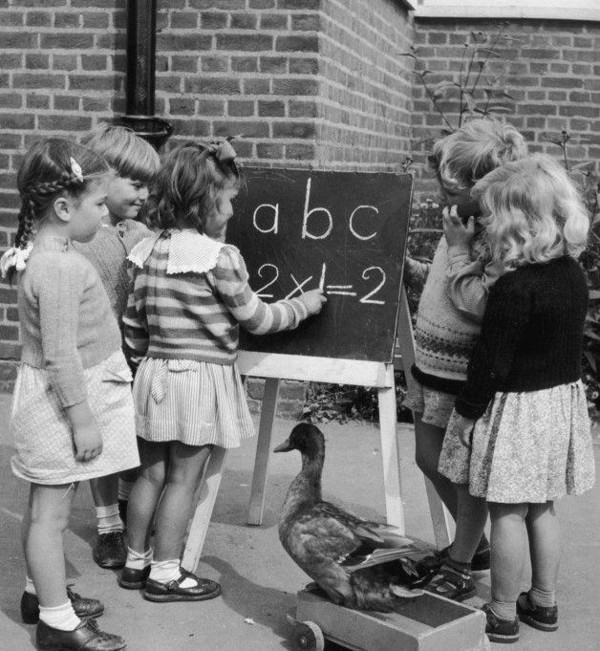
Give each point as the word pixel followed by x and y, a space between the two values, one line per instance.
pixel 186 464
pixel 470 522
pixel 104 490
pixel 43 527
pixel 428 446
pixel 508 538
pixel 543 528
pixel 146 493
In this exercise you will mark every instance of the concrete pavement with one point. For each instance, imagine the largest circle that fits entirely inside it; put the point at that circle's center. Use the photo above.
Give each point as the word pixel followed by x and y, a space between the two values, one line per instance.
pixel 259 580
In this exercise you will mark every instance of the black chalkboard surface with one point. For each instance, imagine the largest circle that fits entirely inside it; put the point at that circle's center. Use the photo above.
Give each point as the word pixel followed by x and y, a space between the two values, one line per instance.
pixel 342 231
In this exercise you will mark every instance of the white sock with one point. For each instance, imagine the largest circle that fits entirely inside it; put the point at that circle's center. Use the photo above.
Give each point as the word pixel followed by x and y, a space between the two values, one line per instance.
pixel 137 561
pixel 29 586
pixel 61 617
pixel 165 571
pixel 108 519
pixel 125 489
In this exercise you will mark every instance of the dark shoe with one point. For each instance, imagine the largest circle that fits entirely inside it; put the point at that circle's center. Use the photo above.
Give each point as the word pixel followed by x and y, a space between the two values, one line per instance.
pixel 500 630
pixel 123 511
pixel 452 584
pixel 433 562
pixel 134 579
pixel 86 637
pixel 544 618
pixel 172 591
pixel 83 607
pixel 110 551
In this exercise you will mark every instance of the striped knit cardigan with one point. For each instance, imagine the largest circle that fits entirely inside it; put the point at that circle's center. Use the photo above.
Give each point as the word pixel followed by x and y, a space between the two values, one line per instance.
pixel 190 296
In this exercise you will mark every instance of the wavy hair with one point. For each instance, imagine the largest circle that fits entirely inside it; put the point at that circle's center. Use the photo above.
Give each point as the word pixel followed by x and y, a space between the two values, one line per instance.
pixel 187 187
pixel 479 146
pixel 534 212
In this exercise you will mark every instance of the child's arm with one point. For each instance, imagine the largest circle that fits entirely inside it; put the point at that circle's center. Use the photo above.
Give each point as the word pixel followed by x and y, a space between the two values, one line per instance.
pixel 506 315
pixel 135 325
pixel 415 272
pixel 253 314
pixel 470 280
pixel 59 293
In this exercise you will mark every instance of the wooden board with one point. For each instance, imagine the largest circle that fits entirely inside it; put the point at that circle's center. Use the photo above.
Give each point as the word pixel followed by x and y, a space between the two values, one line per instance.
pixel 342 231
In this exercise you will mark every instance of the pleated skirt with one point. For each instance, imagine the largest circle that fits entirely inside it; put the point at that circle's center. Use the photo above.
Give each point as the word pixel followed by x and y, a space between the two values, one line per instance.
pixel 196 403
pixel 529 447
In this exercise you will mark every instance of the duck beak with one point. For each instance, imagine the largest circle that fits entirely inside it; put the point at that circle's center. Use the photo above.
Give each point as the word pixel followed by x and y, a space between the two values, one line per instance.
pixel 284 447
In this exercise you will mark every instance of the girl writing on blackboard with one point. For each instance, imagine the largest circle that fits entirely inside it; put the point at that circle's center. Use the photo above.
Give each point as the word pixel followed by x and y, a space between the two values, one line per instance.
pixel 190 296
pixel 456 286
pixel 520 434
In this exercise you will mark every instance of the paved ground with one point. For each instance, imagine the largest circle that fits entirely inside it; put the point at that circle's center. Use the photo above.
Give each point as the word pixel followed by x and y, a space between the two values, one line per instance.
pixel 259 580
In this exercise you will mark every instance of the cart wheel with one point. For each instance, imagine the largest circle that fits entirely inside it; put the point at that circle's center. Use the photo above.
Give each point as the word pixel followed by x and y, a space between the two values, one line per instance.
pixel 308 637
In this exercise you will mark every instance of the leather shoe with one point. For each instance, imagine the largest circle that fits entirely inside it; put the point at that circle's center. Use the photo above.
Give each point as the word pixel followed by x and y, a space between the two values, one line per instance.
pixel 83 607
pixel 134 579
pixel 110 551
pixel 86 637
pixel 172 591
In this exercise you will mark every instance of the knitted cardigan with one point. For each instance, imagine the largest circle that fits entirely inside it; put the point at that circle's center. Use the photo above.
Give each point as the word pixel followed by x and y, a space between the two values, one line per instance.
pixel 532 334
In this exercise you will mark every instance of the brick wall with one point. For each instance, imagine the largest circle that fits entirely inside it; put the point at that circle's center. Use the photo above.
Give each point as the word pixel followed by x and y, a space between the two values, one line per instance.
pixel 551 69
pixel 295 77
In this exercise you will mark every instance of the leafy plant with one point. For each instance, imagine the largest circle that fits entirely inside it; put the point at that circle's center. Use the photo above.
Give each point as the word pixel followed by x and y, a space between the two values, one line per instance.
pixel 472 92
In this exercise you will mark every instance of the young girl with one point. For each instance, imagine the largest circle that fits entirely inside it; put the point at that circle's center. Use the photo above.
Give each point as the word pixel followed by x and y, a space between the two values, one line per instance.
pixel 190 296
pixel 449 317
pixel 522 414
pixel 72 415
pixel 134 162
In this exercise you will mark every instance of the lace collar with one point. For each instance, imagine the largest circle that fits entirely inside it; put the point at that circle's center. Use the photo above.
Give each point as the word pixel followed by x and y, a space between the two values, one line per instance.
pixel 188 251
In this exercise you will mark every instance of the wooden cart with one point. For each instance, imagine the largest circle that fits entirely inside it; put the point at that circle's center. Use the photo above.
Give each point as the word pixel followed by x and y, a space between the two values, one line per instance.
pixel 426 623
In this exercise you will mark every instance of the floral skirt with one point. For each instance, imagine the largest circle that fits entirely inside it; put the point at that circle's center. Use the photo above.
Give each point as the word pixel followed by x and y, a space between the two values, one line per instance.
pixel 43 436
pixel 196 403
pixel 529 447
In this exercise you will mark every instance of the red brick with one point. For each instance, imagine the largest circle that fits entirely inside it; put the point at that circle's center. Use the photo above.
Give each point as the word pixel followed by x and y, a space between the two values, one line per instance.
pixel 95 20
pixel 19 40
pixel 184 19
pixel 66 20
pixel 293 129
pixel 248 129
pixel 274 21
pixel 243 21
pixel 245 42
pixel 298 4
pixel 269 150
pixel 212 86
pixel 213 20
pixel 64 123
pixel 37 102
pixel 240 108
pixel 17 121
pixel 295 87
pixel 229 5
pixel 244 64
pixel 274 108
pixel 67 41
pixel 95 83
pixel 10 101
pixel 297 43
pixel 214 64
pixel 179 42
pixel 273 65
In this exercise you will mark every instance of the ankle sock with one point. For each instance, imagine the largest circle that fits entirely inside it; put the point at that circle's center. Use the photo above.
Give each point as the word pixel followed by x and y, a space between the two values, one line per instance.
pixel 108 519
pixel 544 598
pixel 61 617
pixel 506 610
pixel 169 570
pixel 137 561
pixel 463 568
pixel 29 586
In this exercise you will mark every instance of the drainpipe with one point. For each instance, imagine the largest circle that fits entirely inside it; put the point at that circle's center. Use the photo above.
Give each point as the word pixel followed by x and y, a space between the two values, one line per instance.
pixel 141 72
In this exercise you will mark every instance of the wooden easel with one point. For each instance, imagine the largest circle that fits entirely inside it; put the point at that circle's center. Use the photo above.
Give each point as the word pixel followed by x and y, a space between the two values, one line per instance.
pixel 275 367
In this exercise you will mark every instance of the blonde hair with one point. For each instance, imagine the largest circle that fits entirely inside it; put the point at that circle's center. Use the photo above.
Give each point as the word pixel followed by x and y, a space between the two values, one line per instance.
pixel 534 212
pixel 468 154
pixel 127 153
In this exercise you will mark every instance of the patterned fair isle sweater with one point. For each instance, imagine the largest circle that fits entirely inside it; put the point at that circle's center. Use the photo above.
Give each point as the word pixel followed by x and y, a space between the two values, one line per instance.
pixel 450 313
pixel 532 334
pixel 190 296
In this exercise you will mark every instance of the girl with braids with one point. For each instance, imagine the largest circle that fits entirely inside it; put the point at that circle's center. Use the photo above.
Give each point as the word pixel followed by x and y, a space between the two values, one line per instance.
pixel 72 414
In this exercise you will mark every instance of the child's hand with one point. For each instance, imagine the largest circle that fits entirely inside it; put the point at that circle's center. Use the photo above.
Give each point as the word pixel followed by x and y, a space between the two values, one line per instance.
pixel 86 436
pixel 455 231
pixel 464 427
pixel 313 300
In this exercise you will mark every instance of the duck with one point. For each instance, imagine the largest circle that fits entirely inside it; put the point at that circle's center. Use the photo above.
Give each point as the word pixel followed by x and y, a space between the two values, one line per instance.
pixel 357 563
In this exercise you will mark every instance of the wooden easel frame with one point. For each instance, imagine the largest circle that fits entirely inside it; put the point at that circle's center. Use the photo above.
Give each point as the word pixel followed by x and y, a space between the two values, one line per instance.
pixel 273 368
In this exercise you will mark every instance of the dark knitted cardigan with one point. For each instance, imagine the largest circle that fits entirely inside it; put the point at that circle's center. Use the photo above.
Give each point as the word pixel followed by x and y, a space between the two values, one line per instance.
pixel 531 336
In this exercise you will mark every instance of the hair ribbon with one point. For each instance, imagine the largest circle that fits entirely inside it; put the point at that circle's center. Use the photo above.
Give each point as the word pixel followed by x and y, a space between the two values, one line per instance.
pixel 222 151
pixel 14 257
pixel 76 170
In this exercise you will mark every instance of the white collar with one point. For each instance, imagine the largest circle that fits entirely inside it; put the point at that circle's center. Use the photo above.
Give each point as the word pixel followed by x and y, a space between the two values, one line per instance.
pixel 188 251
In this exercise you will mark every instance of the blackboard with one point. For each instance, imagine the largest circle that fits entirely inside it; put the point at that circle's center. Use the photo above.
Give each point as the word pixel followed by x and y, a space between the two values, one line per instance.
pixel 342 231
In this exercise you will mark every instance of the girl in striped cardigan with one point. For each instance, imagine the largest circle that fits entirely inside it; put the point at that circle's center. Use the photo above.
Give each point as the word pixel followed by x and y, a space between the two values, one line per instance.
pixel 189 298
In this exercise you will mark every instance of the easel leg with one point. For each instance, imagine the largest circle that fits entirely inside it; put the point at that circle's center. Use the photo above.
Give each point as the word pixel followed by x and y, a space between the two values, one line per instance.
pixel 391 460
pixel 440 516
pixel 263 449
pixel 211 480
